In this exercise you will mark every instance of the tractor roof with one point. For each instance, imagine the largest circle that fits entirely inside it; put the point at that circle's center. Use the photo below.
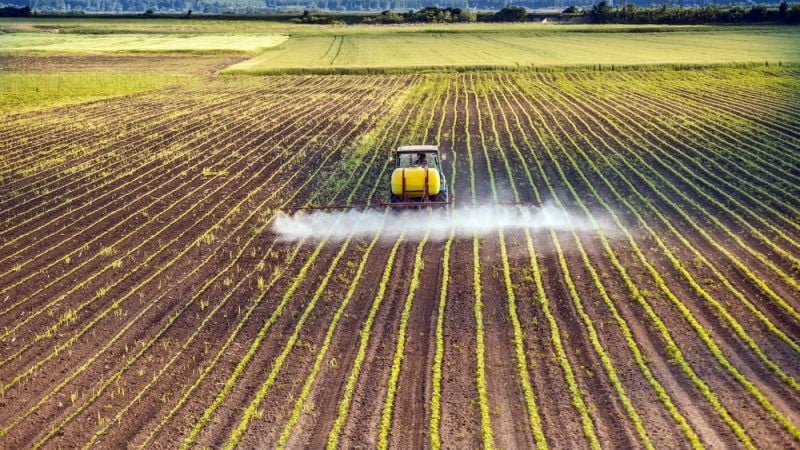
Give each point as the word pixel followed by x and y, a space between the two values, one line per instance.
pixel 417 149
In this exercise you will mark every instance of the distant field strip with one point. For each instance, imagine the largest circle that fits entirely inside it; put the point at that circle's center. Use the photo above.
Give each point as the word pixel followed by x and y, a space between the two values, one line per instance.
pixel 509 49
pixel 136 43
pixel 23 92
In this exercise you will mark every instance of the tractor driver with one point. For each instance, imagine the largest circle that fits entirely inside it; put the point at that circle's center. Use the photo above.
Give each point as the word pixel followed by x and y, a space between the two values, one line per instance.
pixel 420 161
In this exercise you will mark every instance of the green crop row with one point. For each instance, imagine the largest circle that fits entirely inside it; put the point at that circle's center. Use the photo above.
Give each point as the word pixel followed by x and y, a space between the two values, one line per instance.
pixel 754 278
pixel 132 251
pixel 671 346
pixel 198 139
pixel 230 383
pixel 252 408
pixel 438 357
pixel 665 289
pixel 575 391
pixel 764 175
pixel 117 243
pixel 701 331
pixel 699 255
pixel 344 404
pixel 300 403
pixel 631 342
pixel 397 359
pixel 703 182
pixel 480 375
pixel 255 211
pixel 519 346
pixel 365 142
pixel 347 395
pixel 593 337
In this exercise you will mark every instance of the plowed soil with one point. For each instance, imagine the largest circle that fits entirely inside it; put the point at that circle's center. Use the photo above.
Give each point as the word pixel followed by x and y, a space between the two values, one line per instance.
pixel 146 300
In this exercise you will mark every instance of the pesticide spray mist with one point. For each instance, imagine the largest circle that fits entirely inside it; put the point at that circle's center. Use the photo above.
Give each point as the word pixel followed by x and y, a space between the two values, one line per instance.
pixel 463 221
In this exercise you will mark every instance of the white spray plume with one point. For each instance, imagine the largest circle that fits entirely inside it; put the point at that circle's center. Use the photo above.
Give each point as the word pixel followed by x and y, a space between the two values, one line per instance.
pixel 463 221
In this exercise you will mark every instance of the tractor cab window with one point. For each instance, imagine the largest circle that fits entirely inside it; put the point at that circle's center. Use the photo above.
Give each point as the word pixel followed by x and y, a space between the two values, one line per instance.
pixel 416 159
pixel 406 160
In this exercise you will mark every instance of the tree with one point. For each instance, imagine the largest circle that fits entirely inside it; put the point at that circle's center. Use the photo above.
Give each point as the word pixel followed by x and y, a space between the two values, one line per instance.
pixel 10 11
pixel 793 14
pixel 467 15
pixel 389 17
pixel 783 9
pixel 601 12
pixel 511 14
pixel 757 13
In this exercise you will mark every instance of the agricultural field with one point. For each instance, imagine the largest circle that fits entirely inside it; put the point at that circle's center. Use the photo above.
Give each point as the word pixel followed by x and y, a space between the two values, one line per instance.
pixel 195 43
pixel 147 300
pixel 156 293
pixel 542 48
pixel 287 48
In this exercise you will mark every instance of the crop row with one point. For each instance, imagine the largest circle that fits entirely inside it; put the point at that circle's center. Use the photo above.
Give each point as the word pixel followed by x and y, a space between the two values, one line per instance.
pixel 120 243
pixel 257 210
pixel 677 302
pixel 654 272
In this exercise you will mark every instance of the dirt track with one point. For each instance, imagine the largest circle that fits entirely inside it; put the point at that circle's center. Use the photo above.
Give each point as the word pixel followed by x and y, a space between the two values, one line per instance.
pixel 144 299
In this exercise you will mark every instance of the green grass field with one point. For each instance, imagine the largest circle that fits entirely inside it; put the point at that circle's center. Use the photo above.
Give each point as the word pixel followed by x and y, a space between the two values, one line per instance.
pixel 282 48
pixel 200 43
pixel 27 91
pixel 514 48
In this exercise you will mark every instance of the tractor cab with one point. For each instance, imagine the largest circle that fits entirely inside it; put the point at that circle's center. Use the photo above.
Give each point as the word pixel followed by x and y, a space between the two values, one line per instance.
pixel 418 176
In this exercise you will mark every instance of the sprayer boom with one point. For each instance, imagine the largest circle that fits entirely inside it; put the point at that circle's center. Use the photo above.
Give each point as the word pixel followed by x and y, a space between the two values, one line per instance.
pixel 382 204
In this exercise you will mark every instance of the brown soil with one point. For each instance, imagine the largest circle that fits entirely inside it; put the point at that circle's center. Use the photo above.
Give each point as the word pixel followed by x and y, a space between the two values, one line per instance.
pixel 156 337
pixel 174 64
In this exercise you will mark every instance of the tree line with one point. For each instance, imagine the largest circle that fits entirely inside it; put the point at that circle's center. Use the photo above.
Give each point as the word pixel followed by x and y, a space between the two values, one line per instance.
pixel 603 12
pixel 397 11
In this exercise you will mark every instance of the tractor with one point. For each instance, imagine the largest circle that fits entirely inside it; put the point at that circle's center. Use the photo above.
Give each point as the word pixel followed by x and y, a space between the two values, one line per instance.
pixel 418 179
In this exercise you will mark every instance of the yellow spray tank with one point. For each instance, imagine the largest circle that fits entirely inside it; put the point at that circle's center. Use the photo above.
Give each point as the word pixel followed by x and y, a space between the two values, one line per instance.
pixel 410 182
pixel 417 177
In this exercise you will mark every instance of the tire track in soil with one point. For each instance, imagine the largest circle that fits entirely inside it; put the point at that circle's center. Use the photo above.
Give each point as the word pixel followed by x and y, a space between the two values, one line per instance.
pixel 561 423
pixel 461 420
pixel 411 415
pixel 363 419
pixel 509 413
pixel 313 427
